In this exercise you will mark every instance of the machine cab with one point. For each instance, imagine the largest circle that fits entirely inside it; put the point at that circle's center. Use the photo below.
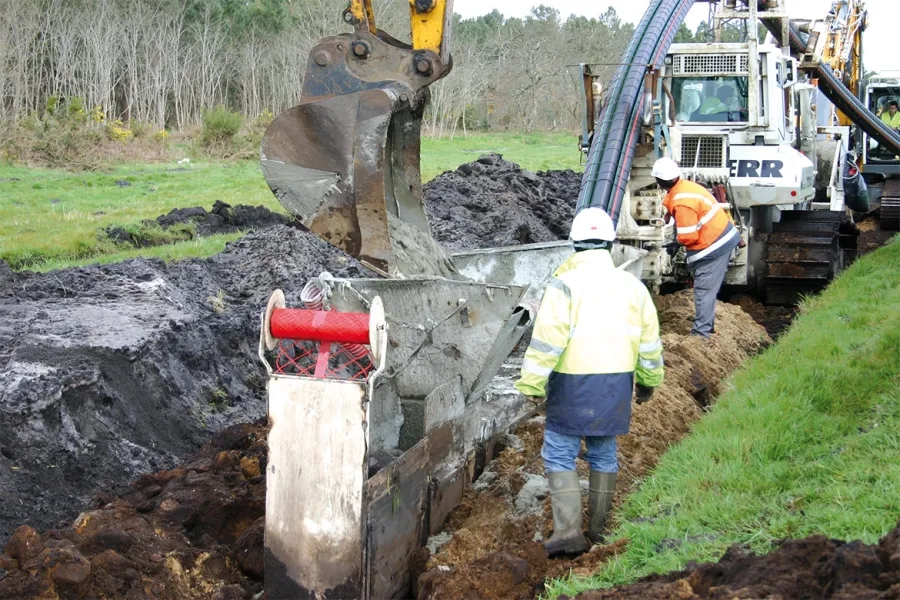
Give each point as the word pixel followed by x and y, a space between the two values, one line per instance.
pixel 881 93
pixel 733 119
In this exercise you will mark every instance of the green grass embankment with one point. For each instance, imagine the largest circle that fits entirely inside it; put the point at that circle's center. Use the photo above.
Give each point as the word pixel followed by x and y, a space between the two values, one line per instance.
pixel 807 441
pixel 50 218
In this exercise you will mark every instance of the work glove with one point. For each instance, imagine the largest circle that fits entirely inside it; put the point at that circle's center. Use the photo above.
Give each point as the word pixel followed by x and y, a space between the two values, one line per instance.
pixel 671 248
pixel 642 393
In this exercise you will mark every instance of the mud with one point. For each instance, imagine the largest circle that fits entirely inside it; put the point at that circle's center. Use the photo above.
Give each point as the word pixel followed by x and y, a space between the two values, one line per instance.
pixel 775 319
pixel 109 372
pixel 222 218
pixel 815 567
pixel 871 237
pixel 193 532
pixel 196 530
pixel 490 537
pixel 492 202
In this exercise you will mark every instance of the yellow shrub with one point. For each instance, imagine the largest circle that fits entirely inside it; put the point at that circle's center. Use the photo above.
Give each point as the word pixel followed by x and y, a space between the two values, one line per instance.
pixel 118 132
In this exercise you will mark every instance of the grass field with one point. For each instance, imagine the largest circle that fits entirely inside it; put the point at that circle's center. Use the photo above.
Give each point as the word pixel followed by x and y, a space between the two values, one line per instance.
pixel 50 218
pixel 807 442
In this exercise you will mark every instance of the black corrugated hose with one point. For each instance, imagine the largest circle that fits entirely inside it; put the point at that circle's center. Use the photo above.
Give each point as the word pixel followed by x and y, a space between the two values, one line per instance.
pixel 615 139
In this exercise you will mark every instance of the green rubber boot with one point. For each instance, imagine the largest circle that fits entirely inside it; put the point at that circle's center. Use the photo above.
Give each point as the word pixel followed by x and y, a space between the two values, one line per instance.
pixel 565 499
pixel 600 498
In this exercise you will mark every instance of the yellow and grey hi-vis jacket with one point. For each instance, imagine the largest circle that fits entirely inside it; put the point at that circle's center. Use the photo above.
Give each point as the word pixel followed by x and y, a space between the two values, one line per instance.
pixel 595 332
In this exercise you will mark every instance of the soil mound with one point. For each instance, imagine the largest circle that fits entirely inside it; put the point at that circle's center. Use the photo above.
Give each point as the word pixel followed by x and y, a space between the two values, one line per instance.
pixel 507 512
pixel 815 567
pixel 223 218
pixel 109 372
pixel 492 202
pixel 194 532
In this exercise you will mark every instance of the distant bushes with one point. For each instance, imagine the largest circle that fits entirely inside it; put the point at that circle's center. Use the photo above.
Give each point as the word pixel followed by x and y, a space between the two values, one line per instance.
pixel 68 135
pixel 224 133
pixel 220 126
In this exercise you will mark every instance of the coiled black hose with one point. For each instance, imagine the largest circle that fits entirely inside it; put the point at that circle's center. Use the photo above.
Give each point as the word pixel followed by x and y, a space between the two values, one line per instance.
pixel 600 139
pixel 612 149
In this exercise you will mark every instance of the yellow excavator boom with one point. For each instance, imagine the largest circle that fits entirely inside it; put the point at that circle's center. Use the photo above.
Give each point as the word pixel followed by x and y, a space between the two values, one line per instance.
pixel 429 22
pixel 842 47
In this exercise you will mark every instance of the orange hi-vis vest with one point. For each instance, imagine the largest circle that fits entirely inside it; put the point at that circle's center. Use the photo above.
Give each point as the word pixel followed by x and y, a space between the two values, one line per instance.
pixel 702 225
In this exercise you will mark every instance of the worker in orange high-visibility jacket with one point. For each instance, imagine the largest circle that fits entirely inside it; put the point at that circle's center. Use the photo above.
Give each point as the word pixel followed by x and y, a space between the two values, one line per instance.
pixel 706 231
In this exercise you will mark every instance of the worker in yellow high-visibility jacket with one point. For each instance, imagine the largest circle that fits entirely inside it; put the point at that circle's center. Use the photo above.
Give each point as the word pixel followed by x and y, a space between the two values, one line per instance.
pixel 891 117
pixel 596 334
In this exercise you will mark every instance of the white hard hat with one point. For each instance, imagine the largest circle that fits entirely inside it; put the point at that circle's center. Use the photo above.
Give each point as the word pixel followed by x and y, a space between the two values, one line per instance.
pixel 666 169
pixel 592 224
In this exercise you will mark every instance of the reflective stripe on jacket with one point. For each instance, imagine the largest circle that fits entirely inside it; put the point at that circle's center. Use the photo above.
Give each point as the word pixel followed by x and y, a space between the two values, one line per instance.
pixel 702 226
pixel 595 333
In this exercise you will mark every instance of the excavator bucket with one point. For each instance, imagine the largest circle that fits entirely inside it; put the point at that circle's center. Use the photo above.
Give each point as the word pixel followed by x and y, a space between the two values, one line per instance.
pixel 345 161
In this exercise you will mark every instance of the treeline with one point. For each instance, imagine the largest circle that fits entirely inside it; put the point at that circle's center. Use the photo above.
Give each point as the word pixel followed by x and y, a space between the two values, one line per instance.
pixel 166 62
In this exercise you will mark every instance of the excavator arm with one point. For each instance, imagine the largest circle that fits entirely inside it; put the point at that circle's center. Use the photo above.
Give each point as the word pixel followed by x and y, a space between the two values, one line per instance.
pixel 836 41
pixel 345 160
pixel 430 22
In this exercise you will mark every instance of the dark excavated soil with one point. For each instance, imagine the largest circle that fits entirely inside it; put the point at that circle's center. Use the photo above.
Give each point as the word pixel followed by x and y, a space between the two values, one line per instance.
pixel 109 372
pixel 190 533
pixel 871 236
pixel 814 568
pixel 222 218
pixel 493 202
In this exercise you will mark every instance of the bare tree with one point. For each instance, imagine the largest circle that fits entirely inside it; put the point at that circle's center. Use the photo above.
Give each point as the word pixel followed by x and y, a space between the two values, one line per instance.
pixel 166 61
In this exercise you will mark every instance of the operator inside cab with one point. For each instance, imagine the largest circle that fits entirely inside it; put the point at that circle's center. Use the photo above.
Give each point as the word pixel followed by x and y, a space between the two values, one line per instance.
pixel 718 102
pixel 707 233
pixel 721 106
pixel 891 117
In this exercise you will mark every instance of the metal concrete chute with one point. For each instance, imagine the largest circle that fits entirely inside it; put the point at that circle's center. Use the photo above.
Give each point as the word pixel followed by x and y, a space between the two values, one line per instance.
pixel 345 160
pixel 323 367
pixel 375 410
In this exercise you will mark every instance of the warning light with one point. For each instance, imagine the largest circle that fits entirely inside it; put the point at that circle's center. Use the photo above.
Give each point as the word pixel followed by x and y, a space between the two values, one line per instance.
pixel 793 192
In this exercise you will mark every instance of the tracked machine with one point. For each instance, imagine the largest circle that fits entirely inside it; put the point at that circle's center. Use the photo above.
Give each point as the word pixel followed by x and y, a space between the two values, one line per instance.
pixel 878 159
pixel 744 119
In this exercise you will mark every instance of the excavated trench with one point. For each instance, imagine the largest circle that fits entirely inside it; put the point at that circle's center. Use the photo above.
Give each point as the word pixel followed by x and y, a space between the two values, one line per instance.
pixel 490 547
pixel 112 373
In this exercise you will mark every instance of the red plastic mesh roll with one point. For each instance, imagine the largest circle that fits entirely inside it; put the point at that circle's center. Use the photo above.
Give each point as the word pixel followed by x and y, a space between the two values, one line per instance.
pixel 320 326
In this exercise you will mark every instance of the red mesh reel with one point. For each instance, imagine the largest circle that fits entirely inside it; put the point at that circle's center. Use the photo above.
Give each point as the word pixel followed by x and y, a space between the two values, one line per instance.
pixel 321 344
pixel 320 326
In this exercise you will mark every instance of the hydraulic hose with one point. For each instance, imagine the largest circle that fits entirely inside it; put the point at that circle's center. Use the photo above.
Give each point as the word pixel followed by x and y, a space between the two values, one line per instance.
pixel 835 90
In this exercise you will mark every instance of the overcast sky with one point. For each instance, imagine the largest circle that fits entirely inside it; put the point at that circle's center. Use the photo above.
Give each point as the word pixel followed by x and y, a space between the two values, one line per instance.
pixel 880 51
